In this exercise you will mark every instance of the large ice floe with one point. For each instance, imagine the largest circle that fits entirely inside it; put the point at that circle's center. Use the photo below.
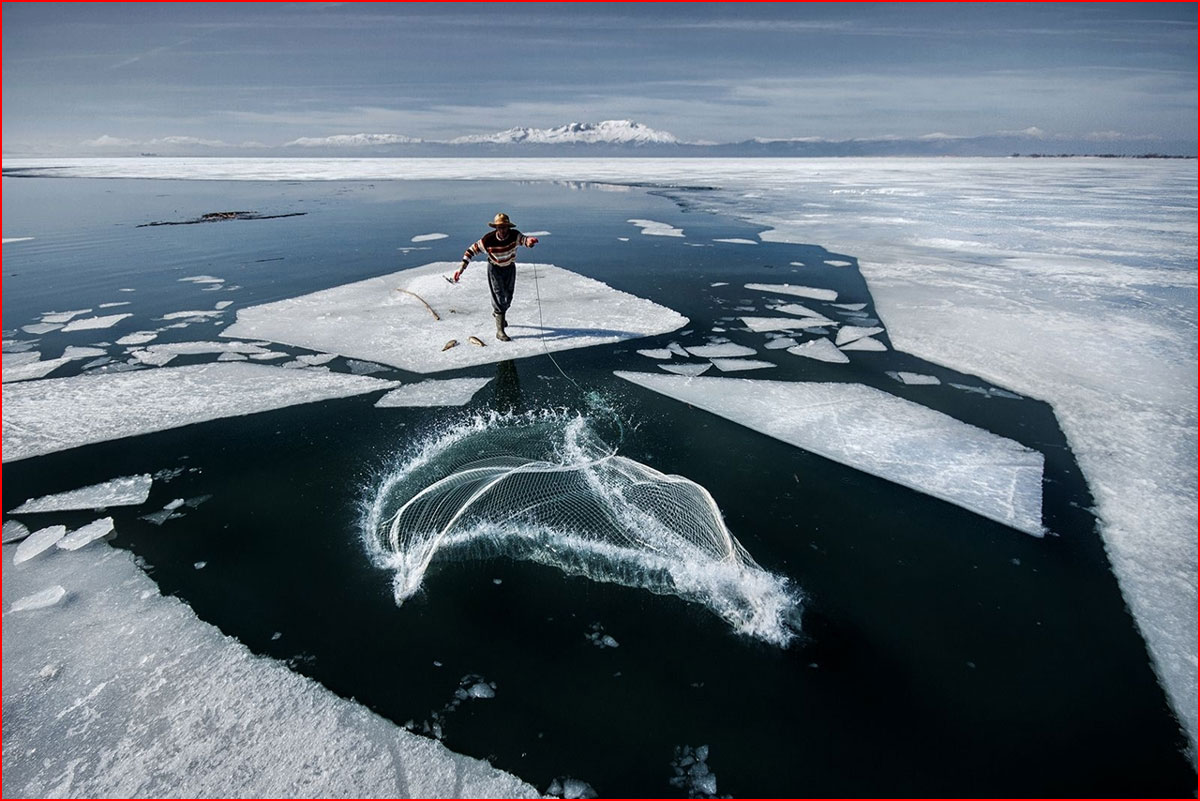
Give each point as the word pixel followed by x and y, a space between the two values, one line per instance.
pixel 56 414
pixel 406 319
pixel 112 690
pixel 880 434
pixel 124 491
pixel 547 489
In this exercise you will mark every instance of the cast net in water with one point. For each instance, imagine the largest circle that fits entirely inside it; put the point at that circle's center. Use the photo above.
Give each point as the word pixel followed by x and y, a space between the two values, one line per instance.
pixel 545 488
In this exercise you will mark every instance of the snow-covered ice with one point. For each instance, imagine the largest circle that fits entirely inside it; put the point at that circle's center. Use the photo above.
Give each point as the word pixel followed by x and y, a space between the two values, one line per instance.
pixel 652 228
pixel 372 320
pixel 723 350
pixel 56 414
pixel 738 365
pixel 97 529
pixel 89 323
pixel 138 338
pixel 821 349
pixel 38 542
pixel 880 434
pixel 124 491
pixel 763 324
pixel 19 367
pixel 446 392
pixel 40 600
pixel 816 293
pixel 149 701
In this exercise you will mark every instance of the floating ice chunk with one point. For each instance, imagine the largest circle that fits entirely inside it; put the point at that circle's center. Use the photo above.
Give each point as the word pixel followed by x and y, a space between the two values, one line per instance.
pixel 359 367
pixel 62 317
pixel 429 237
pixel 657 353
pixel 866 343
pixel 821 349
pixel 73 352
pixel 30 370
pixel 138 338
pixel 722 350
pixel 57 414
pixel 761 324
pixel 203 279
pixel 913 378
pixel 448 392
pixel 37 542
pixel 779 343
pixel 692 772
pixel 481 690
pixel 851 306
pixel 798 291
pixel 720 283
pixel 800 310
pixel 173 505
pixel 22 358
pixel 191 314
pixel 677 349
pixel 89 323
pixel 622 239
pixel 93 531
pixel 314 359
pixel 223 304
pixel 880 434
pixel 1003 393
pixel 269 355
pixel 537 233
pixel 652 228
pixel 686 369
pixel 154 358
pixel 232 357
pixel 14 531
pixel 10 239
pixel 736 365
pixel 737 241
pixel 371 320
pixel 968 388
pixel 839 263
pixel 124 491
pixel 115 304
pixel 40 600
pixel 849 333
pixel 40 328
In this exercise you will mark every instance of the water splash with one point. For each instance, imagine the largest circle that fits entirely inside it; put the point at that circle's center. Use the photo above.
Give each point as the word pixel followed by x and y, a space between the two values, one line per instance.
pixel 546 488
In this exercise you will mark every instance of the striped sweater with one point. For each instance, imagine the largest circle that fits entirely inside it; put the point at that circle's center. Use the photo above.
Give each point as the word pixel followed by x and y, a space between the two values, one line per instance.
pixel 501 252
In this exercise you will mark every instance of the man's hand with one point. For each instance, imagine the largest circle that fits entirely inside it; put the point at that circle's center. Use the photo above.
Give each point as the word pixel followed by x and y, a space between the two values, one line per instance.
pixel 458 274
pixel 530 241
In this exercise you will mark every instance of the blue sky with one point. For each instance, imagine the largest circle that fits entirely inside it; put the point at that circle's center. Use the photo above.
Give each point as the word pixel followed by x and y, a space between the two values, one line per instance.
pixel 230 73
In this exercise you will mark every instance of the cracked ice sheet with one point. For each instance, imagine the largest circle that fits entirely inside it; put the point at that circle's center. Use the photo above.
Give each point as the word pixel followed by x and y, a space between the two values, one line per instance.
pixel 880 434
pixel 56 414
pixel 143 691
pixel 370 320
pixel 124 491
pixel 448 392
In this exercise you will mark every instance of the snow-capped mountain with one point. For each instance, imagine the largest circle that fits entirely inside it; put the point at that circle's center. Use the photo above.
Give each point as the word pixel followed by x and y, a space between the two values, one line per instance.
pixel 353 140
pixel 625 132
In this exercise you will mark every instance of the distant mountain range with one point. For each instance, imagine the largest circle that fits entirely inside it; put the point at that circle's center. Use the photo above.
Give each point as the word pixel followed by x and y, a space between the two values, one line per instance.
pixel 628 138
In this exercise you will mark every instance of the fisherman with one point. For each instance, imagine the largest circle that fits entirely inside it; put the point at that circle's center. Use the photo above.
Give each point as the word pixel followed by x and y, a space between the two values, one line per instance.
pixel 501 248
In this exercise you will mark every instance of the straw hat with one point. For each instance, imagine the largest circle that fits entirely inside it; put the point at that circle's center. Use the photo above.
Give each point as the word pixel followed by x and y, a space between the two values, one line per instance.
pixel 501 221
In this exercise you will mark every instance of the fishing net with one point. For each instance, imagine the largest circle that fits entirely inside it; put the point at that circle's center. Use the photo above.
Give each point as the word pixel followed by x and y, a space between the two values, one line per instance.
pixel 547 489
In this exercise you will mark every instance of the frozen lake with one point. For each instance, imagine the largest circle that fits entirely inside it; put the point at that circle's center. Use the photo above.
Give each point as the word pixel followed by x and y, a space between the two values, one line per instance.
pixel 920 522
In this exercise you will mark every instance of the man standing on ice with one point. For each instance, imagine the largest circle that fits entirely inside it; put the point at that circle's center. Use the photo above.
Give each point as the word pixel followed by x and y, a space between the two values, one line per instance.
pixel 501 248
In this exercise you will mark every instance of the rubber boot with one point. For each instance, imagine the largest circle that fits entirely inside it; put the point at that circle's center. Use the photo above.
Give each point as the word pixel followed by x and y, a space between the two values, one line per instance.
pixel 500 335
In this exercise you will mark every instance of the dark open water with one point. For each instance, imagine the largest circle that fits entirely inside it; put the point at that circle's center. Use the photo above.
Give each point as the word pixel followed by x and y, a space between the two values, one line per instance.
pixel 942 654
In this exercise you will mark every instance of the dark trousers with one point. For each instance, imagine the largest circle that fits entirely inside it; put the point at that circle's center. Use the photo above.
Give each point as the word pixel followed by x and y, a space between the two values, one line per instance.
pixel 501 281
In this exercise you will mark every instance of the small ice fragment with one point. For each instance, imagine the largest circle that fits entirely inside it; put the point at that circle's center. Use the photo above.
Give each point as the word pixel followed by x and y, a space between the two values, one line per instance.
pixel 203 279
pixel 37 542
pixel 851 306
pixel 194 503
pixel 40 328
pixel 223 304
pixel 481 690
pixel 317 358
pixel 154 358
pixel 40 600
pixel 737 241
pixel 200 565
pixel 497 581
pixel 173 505
pixel 14 531
pixel 652 228
pixel 866 343
pixel 608 641
pixel 232 357
pixel 735 365
pixel 799 310
pixel 913 378
pixel 73 352
pixel 799 291
pixel 850 333
pixel 566 787
pixel 763 324
pixel 686 369
pixel 268 355
pixel 677 349
pixel 445 392
pixel 432 237
pixel 969 388
pixel 191 315
pixel 622 239
pixel 839 263
pixel 656 353
pixel 89 323
pixel 276 635
pixel 160 517
pixel 62 317
pixel 722 350
pixel 1003 393
pixel 720 283
pixel 138 338
pixel 780 343
pixel 821 349
pixel 87 534
pixel 359 367
pixel 114 305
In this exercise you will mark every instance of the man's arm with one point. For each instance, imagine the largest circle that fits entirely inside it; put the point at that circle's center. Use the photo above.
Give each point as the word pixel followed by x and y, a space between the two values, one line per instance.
pixel 528 241
pixel 470 252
